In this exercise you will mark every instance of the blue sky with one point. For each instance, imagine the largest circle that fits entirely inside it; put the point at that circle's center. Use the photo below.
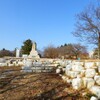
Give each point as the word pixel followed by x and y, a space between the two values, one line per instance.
pixel 44 21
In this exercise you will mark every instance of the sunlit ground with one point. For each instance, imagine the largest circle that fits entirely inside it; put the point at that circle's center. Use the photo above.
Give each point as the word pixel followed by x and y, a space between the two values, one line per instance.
pixel 17 85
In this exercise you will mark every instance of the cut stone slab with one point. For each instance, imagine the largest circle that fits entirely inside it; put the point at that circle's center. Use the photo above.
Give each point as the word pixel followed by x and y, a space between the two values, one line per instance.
pixel 88 82
pixel 95 90
pixel 77 83
pixel 97 79
pixel 90 73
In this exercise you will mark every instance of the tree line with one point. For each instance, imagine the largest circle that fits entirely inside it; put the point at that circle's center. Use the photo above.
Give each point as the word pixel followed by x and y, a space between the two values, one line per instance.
pixel 5 52
pixel 68 51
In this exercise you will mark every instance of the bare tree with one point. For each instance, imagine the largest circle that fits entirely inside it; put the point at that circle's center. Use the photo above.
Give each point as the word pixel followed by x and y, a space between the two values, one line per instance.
pixel 5 52
pixel 50 52
pixel 78 50
pixel 88 25
pixel 72 51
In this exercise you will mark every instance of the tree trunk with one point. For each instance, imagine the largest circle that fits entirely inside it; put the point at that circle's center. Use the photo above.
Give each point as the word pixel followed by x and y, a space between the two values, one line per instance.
pixel 99 46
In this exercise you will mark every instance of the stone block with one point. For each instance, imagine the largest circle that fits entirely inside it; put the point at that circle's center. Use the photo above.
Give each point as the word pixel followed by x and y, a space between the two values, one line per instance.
pixel 95 90
pixel 88 82
pixel 93 98
pixel 49 70
pixel 77 68
pixel 64 78
pixel 98 69
pixel 97 63
pixel 77 83
pixel 33 68
pixel 90 73
pixel 82 73
pixel 97 79
pixel 28 63
pixel 44 71
pixel 26 68
pixel 72 74
pixel 27 71
pixel 78 63
pixel 42 67
pixel 58 71
pixel 63 69
pixel 89 65
pixel 69 67
pixel 38 70
pixel 3 64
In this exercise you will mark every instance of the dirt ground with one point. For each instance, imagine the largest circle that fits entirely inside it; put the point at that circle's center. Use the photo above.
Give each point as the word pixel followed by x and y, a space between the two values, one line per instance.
pixel 17 85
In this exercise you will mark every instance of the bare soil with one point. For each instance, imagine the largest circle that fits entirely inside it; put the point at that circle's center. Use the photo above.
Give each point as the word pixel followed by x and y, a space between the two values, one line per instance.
pixel 17 85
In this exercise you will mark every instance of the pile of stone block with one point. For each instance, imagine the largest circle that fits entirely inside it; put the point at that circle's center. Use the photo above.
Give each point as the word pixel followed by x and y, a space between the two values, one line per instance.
pixel 11 62
pixel 82 74
pixel 38 66
pixel 3 62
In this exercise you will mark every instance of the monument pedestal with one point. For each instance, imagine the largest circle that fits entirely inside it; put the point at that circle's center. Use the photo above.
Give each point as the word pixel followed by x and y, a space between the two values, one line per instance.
pixel 33 53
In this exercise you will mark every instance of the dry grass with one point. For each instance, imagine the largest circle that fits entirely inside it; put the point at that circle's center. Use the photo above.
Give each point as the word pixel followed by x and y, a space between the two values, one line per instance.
pixel 35 86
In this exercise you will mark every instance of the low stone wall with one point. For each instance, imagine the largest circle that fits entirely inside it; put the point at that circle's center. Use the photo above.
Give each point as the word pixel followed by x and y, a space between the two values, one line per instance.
pixel 82 74
pixel 38 66
pixel 38 69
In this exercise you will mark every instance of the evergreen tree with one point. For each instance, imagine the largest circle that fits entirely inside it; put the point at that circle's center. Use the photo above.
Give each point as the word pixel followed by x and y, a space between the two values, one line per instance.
pixel 27 45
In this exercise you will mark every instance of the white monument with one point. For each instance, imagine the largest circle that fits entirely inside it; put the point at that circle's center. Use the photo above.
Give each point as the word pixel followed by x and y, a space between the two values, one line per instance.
pixel 17 52
pixel 33 52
